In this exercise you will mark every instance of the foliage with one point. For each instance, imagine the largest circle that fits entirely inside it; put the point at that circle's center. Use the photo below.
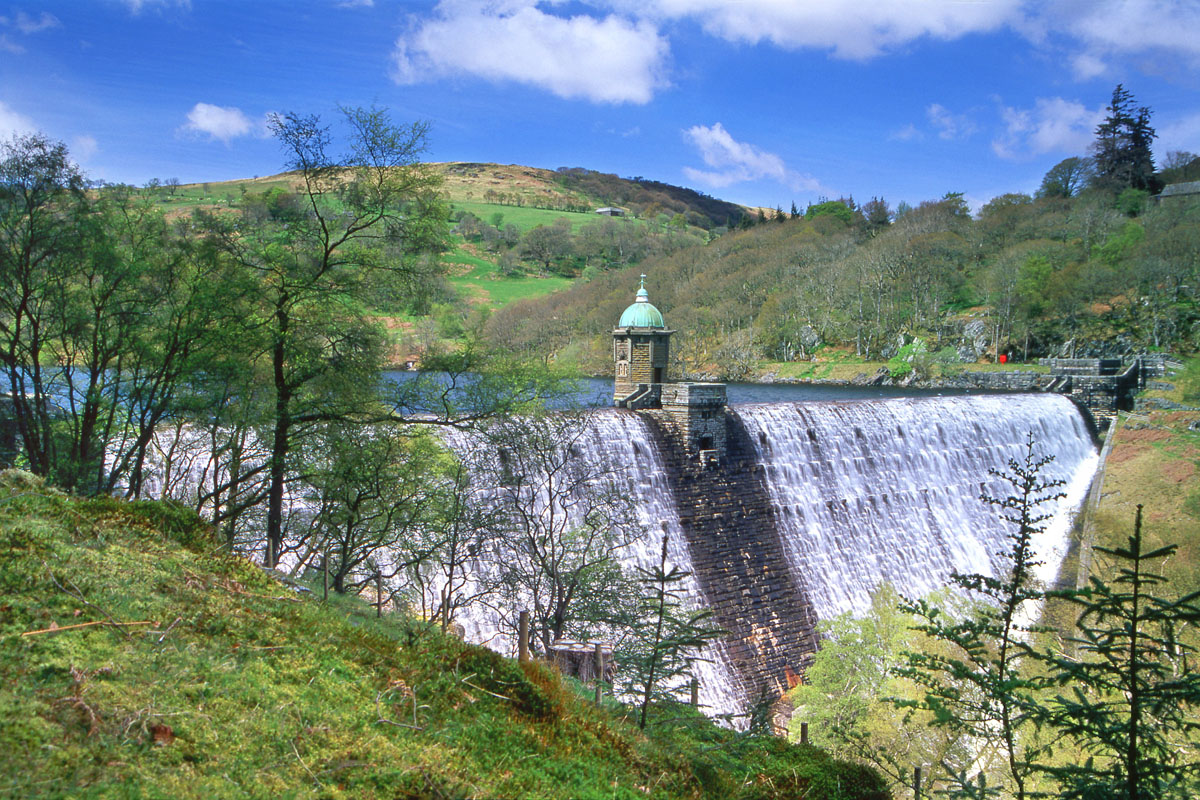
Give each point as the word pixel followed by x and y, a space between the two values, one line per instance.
pixel 1121 152
pixel 562 520
pixel 833 208
pixel 845 693
pixel 1067 178
pixel 910 358
pixel 670 649
pixel 105 314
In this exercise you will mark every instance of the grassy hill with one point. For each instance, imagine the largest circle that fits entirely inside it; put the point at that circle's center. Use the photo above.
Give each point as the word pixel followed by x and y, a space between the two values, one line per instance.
pixel 140 660
pixel 506 195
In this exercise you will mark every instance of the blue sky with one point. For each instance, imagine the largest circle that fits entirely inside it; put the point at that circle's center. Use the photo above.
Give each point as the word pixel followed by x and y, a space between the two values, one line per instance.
pixel 762 102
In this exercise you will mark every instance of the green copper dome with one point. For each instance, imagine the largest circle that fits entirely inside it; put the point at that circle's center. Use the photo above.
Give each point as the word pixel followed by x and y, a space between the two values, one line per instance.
pixel 641 314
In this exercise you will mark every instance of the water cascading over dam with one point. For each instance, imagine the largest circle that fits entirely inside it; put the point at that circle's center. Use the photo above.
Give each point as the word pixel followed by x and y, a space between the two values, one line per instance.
pixel 816 504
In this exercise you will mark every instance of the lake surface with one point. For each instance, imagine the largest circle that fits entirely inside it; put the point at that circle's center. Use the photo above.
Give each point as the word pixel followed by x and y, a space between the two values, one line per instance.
pixel 598 392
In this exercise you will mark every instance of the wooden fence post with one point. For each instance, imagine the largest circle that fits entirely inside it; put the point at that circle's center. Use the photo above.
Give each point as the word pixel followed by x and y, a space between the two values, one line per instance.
pixel 378 595
pixel 324 576
pixel 695 693
pixel 599 671
pixel 523 637
pixel 916 783
pixel 803 733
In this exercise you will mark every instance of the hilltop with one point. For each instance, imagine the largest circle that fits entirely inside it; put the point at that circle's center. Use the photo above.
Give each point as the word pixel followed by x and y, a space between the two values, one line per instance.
pixel 569 189
pixel 141 659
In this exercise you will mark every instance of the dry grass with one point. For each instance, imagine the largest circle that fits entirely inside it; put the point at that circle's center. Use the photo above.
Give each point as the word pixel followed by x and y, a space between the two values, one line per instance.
pixel 1153 463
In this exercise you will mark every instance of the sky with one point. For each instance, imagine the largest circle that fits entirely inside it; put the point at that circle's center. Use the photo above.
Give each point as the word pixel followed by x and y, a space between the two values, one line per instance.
pixel 761 102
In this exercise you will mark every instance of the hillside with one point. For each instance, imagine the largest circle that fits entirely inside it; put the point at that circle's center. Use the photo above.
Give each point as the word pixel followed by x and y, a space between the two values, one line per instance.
pixel 140 660
pixel 492 259
pixel 1024 277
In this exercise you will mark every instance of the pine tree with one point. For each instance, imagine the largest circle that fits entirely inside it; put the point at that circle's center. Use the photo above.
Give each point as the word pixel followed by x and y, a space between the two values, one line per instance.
pixel 1121 152
pixel 675 634
pixel 976 688
pixel 1132 687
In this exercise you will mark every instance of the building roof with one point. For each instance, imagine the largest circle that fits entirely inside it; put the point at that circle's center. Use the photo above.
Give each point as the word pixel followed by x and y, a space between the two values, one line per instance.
pixel 1175 189
pixel 641 314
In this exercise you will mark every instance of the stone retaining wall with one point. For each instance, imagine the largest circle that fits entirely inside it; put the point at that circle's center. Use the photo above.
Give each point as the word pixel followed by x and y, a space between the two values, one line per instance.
pixel 737 554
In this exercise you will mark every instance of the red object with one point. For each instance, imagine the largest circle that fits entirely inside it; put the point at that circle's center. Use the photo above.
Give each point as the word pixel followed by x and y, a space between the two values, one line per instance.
pixel 1003 358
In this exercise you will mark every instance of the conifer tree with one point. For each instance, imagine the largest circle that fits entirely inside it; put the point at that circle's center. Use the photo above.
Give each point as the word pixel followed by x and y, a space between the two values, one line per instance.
pixel 1132 686
pixel 675 634
pixel 1121 152
pixel 976 688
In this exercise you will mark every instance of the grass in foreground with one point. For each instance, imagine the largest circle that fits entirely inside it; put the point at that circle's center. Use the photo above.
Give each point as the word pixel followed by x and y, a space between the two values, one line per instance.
pixel 138 660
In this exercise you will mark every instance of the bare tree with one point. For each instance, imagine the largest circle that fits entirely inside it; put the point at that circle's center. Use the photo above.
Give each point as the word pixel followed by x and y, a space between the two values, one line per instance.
pixel 563 521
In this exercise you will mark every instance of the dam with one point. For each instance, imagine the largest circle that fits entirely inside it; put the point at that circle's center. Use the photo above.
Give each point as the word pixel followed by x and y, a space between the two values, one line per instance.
pixel 786 514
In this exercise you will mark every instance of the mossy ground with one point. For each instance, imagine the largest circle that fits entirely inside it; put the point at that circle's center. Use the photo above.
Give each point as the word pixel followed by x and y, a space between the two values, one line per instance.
pixel 195 674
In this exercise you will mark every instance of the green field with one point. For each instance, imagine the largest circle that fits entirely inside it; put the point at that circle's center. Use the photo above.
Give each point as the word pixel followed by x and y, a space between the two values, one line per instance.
pixel 484 283
pixel 526 218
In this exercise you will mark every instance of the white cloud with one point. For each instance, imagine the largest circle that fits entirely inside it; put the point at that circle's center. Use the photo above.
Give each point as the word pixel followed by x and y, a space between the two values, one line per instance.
pixel 138 6
pixel 610 59
pixel 1088 66
pixel 221 122
pixel 83 147
pixel 618 50
pixel 12 122
pixel 1159 33
pixel 731 161
pixel 1053 125
pixel 27 24
pixel 851 29
pixel 949 125
pixel 908 133
pixel 356 4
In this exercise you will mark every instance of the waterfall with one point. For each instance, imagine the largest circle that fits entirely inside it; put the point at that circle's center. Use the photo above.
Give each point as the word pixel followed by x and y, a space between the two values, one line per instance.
pixel 889 490
pixel 622 453
pixel 812 506
pixel 817 504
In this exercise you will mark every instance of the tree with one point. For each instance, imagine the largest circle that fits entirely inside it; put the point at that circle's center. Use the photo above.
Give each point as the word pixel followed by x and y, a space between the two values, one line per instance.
pixel 1122 148
pixel 1180 166
pixel 39 185
pixel 1067 178
pixel 675 634
pixel 105 313
pixel 978 690
pixel 834 208
pixel 375 491
pixel 548 244
pixel 877 214
pixel 1131 686
pixel 312 267
pixel 846 691
pixel 563 520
